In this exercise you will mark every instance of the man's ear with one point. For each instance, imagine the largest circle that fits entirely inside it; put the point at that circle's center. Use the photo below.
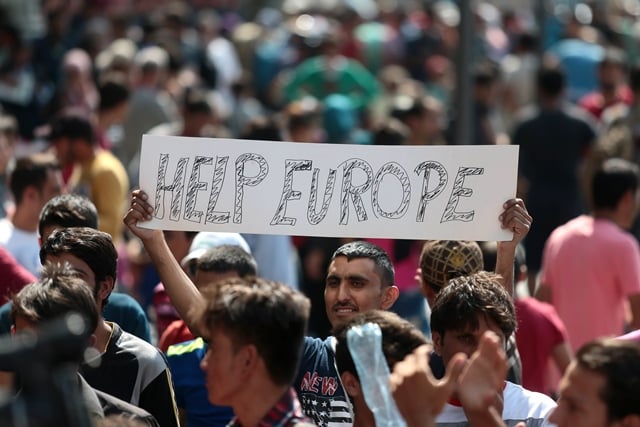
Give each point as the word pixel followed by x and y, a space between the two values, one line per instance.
pixel 389 296
pixel 248 358
pixel 105 287
pixel 351 384
pixel 437 342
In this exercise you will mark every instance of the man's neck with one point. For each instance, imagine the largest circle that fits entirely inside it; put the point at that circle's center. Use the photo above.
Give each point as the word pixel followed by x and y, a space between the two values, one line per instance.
pixel 259 398
pixel 362 415
pixel 103 335
pixel 23 219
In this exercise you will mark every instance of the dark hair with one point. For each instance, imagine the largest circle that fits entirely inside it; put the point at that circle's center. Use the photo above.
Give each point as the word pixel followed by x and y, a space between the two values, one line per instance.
pixel 93 247
pixel 113 91
pixel 31 171
pixel 634 77
pixel 226 258
pixel 399 338
pixel 73 127
pixel 269 315
pixel 551 80
pixel 68 210
pixel 618 361
pixel 391 132
pixel 362 249
pixel 58 292
pixel 196 102
pixel 461 303
pixel 611 181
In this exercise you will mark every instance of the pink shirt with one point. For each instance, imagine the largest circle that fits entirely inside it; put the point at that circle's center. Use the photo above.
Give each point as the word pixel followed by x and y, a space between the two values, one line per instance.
pixel 591 266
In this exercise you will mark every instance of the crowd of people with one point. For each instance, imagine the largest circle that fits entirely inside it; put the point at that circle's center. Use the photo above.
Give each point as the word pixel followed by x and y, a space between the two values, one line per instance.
pixel 213 329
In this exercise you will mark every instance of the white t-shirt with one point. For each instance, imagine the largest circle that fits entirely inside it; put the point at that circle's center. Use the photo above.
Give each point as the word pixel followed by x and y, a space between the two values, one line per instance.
pixel 519 405
pixel 23 245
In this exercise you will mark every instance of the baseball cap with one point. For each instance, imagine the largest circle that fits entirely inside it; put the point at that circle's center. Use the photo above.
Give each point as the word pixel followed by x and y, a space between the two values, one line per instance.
pixel 443 260
pixel 208 239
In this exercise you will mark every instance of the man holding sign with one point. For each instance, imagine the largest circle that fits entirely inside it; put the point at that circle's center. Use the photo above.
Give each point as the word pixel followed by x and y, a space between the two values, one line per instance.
pixel 355 283
pixel 360 276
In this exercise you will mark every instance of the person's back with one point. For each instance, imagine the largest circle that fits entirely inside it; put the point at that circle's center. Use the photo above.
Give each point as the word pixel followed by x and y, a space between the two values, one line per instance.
pixel 594 259
pixel 553 141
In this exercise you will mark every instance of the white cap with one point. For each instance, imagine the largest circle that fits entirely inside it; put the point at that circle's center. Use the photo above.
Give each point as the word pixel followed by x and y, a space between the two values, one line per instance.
pixel 208 239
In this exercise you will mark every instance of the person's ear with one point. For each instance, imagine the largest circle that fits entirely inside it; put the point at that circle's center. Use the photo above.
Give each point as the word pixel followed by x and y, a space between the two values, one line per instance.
pixel 13 329
pixel 351 384
pixel 389 297
pixel 437 342
pixel 105 287
pixel 248 358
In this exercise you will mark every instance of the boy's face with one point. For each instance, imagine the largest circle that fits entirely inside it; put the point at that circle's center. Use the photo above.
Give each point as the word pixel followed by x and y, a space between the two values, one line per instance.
pixel 580 403
pixel 464 341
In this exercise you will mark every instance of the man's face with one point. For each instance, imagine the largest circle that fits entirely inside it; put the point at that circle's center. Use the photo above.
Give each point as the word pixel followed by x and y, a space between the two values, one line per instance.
pixel 100 290
pixel 64 151
pixel 464 341
pixel 223 369
pixel 580 403
pixel 353 286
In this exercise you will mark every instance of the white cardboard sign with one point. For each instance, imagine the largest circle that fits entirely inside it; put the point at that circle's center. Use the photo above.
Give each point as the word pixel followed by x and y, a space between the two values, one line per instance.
pixel 403 192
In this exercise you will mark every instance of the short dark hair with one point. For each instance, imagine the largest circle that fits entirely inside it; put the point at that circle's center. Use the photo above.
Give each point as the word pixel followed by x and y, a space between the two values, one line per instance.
pixel 58 292
pixel 92 246
pixel 399 338
pixel 31 171
pixel 362 249
pixel 619 362
pixel 461 303
pixel 269 315
pixel 74 127
pixel 226 258
pixel 612 181
pixel 113 91
pixel 551 80
pixel 68 210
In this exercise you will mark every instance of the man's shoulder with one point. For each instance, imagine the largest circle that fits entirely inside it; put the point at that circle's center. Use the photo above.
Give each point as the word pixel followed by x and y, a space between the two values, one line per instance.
pixel 143 352
pixel 520 403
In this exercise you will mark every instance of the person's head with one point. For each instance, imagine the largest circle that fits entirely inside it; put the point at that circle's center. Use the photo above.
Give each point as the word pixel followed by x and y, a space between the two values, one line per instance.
pixel 550 81
pixel 601 386
pixel 485 77
pixel 399 338
pixel 465 309
pixel 114 97
pixel 614 189
pixel 443 260
pixel 206 240
pixel 423 115
pixel 255 330
pixel 57 293
pixel 302 120
pixel 611 70
pixel 198 113
pixel 224 262
pixel 90 252
pixel 73 138
pixel 66 210
pixel 34 180
pixel 360 277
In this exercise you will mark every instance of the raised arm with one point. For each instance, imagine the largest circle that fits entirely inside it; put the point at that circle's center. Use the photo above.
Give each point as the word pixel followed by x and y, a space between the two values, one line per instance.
pixel 183 293
pixel 515 218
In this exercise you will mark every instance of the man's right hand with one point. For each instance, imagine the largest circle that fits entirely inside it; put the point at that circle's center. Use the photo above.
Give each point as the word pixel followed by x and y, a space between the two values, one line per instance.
pixel 139 211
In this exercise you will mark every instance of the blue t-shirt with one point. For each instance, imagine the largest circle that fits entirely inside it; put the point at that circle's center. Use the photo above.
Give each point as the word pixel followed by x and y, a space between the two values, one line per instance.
pixel 190 387
pixel 121 309
pixel 318 385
